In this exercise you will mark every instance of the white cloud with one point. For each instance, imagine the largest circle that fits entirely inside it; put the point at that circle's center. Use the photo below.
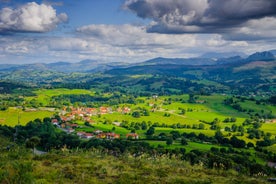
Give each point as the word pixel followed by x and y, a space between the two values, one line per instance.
pixel 125 43
pixel 63 44
pixel 134 36
pixel 30 17
pixel 261 29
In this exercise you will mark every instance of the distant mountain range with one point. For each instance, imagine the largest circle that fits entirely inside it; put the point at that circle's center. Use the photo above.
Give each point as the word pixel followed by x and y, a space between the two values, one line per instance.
pixel 64 67
pixel 219 55
pixel 207 59
pixel 212 60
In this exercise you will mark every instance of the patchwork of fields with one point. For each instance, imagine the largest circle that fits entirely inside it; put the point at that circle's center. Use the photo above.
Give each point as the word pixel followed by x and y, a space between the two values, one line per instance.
pixel 166 111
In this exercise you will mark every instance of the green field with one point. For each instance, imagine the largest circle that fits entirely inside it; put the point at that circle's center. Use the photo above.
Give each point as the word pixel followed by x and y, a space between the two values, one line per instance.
pixel 269 127
pixel 258 108
pixel 10 117
pixel 211 108
pixel 106 128
pixel 272 148
pixel 189 147
pixel 43 96
pixel 159 130
pixel 215 102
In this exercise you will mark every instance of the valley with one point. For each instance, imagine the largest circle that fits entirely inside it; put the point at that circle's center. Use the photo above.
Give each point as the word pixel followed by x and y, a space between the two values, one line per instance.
pixel 191 113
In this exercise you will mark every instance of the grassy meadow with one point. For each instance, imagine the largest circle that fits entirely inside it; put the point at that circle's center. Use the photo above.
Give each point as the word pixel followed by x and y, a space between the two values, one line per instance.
pixel 43 96
pixel 188 148
pixel 12 115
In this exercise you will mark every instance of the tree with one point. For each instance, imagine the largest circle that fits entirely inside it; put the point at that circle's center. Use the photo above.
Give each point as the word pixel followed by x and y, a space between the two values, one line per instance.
pixel 272 99
pixel 191 98
pixel 136 114
pixel 237 143
pixel 86 123
pixel 219 136
pixel 144 126
pixel 146 112
pixel 175 134
pixel 150 131
pixel 184 141
pixel 201 126
pixel 169 141
pixel 234 128
pixel 32 142
pixel 250 145
pixel 182 111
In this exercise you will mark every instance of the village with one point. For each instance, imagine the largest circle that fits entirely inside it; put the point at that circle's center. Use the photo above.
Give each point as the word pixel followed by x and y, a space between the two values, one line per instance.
pixel 69 116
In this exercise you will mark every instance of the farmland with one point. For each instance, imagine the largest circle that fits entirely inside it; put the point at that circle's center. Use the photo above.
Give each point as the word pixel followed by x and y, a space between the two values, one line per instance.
pixel 13 116
pixel 199 129
pixel 168 113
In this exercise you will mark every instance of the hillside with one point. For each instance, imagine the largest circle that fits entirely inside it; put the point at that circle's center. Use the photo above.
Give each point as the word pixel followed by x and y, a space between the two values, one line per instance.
pixel 96 166
pixel 158 121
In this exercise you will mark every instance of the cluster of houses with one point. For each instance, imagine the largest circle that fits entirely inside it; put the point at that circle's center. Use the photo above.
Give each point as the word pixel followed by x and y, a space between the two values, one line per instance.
pixel 65 126
pixel 69 114
pixel 71 128
pixel 105 135
pixel 85 113
pixel 98 134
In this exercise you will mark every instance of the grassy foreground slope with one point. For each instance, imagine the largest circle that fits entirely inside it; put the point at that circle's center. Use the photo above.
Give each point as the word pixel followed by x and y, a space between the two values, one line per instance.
pixel 94 166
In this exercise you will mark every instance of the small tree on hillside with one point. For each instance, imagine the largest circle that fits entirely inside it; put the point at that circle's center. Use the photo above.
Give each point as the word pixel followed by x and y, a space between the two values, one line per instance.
pixel 150 131
pixel 32 142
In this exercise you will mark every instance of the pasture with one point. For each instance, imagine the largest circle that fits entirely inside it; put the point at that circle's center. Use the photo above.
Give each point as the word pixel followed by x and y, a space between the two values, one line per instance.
pixel 43 96
pixel 189 147
pixel 11 116
pixel 269 127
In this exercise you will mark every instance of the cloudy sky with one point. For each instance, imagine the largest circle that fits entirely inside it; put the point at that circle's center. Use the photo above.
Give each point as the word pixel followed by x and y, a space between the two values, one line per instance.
pixel 132 30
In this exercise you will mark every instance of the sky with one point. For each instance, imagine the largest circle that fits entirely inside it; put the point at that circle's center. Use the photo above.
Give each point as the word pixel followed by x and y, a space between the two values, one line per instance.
pixel 131 31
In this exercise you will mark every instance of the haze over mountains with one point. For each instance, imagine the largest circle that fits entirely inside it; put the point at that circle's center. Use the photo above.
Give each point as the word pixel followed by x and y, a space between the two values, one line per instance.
pixel 207 59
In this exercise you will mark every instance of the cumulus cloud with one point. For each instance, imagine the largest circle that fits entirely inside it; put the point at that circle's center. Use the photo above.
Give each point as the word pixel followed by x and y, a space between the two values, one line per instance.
pixel 30 17
pixel 129 41
pixel 134 36
pixel 259 29
pixel 126 43
pixel 202 16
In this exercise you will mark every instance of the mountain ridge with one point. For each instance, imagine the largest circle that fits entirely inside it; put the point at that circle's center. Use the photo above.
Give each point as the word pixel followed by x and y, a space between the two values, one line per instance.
pixel 89 65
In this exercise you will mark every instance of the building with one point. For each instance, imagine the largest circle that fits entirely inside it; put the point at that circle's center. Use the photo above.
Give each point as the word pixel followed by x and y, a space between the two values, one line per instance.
pixel 132 136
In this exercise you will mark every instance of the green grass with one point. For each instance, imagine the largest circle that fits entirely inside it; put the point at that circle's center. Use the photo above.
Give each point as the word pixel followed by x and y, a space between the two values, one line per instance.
pixel 44 95
pixel 215 102
pixel 211 109
pixel 189 147
pixel 154 117
pixel 258 108
pixel 269 127
pixel 159 130
pixel 61 91
pixel 10 116
pixel 94 166
pixel 272 148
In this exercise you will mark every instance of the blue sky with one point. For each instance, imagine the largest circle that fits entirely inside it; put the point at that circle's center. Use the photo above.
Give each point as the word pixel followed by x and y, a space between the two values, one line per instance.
pixel 132 30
